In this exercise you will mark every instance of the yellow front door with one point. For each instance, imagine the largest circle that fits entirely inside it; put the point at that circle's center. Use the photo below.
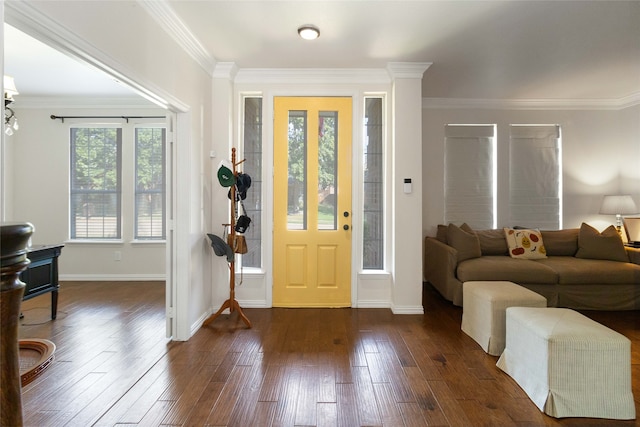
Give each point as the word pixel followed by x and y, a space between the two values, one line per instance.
pixel 312 202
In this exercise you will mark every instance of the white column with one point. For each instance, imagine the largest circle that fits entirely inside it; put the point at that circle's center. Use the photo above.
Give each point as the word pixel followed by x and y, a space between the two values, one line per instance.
pixel 406 163
pixel 221 144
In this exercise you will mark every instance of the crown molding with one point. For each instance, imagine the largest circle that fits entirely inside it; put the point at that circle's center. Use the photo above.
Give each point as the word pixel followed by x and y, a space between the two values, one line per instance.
pixel 532 104
pixel 63 102
pixel 313 75
pixel 27 18
pixel 407 70
pixel 162 12
pixel 225 70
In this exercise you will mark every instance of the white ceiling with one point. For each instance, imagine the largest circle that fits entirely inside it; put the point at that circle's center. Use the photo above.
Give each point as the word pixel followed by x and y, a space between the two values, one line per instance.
pixel 517 49
pixel 40 71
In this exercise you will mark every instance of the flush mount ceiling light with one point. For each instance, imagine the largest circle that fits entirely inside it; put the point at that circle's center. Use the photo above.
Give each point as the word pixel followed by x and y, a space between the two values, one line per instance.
pixel 309 32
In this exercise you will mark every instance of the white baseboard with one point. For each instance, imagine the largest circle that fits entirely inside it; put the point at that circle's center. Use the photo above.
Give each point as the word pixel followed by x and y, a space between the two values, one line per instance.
pixel 372 304
pixel 111 277
pixel 407 309
pixel 253 303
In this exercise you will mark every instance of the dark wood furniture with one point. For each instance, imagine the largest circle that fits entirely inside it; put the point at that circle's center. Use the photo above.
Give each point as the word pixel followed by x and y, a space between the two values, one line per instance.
pixel 41 276
pixel 13 259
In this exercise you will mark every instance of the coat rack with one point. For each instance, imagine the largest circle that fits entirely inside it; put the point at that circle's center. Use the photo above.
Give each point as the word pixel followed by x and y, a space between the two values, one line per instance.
pixel 231 303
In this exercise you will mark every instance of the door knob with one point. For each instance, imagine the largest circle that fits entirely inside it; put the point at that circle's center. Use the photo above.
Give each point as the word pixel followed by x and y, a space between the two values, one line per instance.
pixel 346 214
pixel 345 227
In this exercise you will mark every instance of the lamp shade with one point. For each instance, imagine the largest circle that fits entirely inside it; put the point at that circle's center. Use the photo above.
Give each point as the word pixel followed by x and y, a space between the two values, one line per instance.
pixel 621 204
pixel 9 87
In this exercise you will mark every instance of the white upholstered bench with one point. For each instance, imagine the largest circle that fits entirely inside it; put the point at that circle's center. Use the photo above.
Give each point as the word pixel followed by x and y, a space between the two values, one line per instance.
pixel 568 364
pixel 483 310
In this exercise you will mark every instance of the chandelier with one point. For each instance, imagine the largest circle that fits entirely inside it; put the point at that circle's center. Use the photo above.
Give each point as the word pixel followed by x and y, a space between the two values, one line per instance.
pixel 10 119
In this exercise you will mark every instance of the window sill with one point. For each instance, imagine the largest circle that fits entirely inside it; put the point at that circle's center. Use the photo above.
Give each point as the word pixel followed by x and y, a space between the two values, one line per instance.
pixel 113 242
pixel 94 242
pixel 148 242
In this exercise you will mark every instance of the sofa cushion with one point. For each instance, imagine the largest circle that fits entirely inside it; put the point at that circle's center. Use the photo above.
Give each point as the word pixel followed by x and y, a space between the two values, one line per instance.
pixel 441 233
pixel 572 270
pixel 464 240
pixel 492 242
pixel 525 243
pixel 561 242
pixel 500 267
pixel 606 245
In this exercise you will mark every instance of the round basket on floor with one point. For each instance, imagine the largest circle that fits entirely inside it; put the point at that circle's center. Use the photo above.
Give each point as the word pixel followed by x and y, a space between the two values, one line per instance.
pixel 35 356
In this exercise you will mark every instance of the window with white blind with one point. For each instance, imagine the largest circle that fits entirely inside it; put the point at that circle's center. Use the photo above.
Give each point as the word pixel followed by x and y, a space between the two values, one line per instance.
pixel 96 183
pixel 470 175
pixel 150 197
pixel 535 176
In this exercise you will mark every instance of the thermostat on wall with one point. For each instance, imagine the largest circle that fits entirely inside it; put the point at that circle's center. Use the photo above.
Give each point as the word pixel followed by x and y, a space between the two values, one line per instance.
pixel 407 185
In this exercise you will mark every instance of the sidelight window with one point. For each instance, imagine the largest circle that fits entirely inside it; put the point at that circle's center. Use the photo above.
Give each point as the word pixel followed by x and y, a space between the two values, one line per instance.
pixel 373 190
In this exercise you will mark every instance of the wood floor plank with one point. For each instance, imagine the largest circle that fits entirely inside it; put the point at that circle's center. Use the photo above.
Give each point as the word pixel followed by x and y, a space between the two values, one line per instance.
pixel 157 412
pixel 396 374
pixel 307 398
pixel 248 398
pixel 425 398
pixel 412 415
pixel 485 415
pixel 327 414
pixel 272 387
pixel 450 406
pixel 223 408
pixel 389 410
pixel 421 356
pixel 338 367
pixel 346 406
pixel 326 378
pixel 203 406
pixel 368 413
pixel 183 404
pixel 263 414
pixel 286 406
pixel 139 399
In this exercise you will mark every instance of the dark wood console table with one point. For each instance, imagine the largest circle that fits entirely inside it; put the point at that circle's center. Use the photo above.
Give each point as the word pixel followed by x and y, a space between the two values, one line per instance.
pixel 41 276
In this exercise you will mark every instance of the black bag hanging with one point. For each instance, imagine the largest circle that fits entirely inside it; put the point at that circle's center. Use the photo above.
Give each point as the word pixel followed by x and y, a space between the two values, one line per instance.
pixel 243 221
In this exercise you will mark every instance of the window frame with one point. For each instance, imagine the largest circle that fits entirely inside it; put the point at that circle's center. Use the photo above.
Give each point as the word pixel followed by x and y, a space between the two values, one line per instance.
pixel 380 241
pixel 162 191
pixel 73 234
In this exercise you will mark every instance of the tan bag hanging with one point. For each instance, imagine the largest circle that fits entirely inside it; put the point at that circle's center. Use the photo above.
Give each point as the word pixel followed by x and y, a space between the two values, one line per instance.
pixel 238 243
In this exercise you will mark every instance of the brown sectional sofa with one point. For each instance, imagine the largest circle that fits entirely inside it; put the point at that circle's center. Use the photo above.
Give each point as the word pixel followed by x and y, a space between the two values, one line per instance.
pixel 566 280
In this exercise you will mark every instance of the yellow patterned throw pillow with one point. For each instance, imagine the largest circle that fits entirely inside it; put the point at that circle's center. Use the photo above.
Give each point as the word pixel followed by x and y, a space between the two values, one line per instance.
pixel 525 243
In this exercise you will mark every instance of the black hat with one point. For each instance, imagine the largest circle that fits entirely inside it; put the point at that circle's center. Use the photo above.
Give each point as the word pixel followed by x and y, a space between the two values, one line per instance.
pixel 243 182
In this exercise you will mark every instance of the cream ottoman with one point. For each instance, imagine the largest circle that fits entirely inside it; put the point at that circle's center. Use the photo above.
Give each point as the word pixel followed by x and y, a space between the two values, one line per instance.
pixel 568 364
pixel 483 310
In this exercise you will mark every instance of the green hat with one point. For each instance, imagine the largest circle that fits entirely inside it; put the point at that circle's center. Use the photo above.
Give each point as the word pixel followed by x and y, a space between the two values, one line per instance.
pixel 225 174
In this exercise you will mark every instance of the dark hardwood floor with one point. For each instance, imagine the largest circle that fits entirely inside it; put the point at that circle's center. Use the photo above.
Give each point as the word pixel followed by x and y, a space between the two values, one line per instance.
pixel 296 367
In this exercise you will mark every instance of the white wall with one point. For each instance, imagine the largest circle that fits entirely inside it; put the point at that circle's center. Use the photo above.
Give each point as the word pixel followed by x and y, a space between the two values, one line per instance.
pixel 601 155
pixel 39 183
pixel 126 39
pixel 399 286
